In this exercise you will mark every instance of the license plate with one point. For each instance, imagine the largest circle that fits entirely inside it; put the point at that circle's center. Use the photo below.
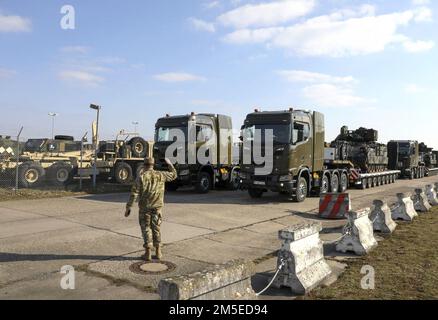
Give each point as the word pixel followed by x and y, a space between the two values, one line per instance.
pixel 260 183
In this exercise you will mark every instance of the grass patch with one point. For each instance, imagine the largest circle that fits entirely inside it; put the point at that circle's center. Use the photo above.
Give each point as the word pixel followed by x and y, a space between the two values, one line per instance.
pixel 406 266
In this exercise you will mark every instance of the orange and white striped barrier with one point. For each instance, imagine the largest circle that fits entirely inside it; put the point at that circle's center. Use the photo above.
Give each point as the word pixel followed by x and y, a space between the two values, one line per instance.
pixel 334 205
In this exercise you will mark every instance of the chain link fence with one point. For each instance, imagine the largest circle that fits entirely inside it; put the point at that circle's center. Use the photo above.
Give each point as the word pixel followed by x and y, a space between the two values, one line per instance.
pixel 11 146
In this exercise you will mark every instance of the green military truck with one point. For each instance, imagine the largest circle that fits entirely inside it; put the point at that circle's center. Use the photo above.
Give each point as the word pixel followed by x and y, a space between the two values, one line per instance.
pixel 196 131
pixel 301 164
pixel 404 155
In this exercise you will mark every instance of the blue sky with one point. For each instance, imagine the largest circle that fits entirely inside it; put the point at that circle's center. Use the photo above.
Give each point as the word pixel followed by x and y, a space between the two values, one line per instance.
pixel 361 63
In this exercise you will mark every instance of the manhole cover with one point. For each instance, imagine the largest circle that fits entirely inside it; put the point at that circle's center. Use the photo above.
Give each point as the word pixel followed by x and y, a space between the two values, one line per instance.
pixel 152 267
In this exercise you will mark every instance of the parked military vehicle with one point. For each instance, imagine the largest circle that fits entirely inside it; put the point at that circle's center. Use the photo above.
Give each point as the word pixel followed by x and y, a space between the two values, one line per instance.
pixel 362 149
pixel 428 156
pixel 218 170
pixel 301 163
pixel 58 161
pixel 404 155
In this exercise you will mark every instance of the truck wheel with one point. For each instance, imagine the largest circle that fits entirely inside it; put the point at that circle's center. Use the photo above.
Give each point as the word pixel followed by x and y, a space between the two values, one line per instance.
pixel 301 193
pixel 343 184
pixel 255 193
pixel 370 183
pixel 364 184
pixel 204 182
pixel 375 182
pixel 139 147
pixel 139 170
pixel 30 175
pixel 123 173
pixel 60 174
pixel 325 185
pixel 334 184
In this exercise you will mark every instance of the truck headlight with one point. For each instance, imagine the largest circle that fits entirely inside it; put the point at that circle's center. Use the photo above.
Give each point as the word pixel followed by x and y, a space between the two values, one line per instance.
pixel 285 178
pixel 184 172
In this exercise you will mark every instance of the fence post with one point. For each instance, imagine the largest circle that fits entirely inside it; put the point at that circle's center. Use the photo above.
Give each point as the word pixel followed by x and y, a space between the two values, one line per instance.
pixel 17 160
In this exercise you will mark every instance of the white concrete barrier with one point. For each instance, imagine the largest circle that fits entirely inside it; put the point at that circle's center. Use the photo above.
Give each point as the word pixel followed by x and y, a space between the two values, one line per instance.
pixel 229 281
pixel 431 195
pixel 421 204
pixel 404 208
pixel 358 235
pixel 381 217
pixel 303 257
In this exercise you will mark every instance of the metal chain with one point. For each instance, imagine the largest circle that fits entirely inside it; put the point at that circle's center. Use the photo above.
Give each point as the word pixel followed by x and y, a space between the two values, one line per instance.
pixel 283 262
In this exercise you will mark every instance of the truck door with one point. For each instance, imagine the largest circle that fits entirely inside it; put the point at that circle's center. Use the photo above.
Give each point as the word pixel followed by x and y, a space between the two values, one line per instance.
pixel 302 142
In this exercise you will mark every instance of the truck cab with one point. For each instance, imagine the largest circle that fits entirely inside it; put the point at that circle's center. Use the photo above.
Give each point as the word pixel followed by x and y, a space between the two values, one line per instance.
pixel 185 135
pixel 404 155
pixel 297 156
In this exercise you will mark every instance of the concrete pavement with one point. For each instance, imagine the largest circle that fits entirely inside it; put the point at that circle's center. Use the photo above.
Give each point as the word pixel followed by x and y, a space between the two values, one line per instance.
pixel 38 237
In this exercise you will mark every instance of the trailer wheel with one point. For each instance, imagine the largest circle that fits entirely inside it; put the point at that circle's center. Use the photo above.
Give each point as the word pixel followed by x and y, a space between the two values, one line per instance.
pixel 30 175
pixel 60 174
pixel 139 170
pixel 334 188
pixel 255 193
pixel 301 193
pixel 374 184
pixel 379 181
pixel 203 184
pixel 123 173
pixel 139 147
pixel 364 184
pixel 325 185
pixel 343 184
pixel 234 183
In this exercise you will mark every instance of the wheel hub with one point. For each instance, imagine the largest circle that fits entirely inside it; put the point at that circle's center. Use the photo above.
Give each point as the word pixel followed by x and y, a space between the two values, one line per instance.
pixel 31 175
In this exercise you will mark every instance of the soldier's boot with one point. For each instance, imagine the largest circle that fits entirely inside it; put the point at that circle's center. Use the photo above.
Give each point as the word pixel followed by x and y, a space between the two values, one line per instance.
pixel 148 254
pixel 158 253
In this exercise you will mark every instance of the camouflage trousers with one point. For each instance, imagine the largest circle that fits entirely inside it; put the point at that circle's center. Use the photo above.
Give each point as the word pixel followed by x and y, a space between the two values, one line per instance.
pixel 150 224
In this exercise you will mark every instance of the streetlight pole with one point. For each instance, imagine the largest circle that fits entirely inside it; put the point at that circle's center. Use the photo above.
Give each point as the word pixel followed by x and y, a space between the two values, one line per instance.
pixel 53 115
pixel 96 145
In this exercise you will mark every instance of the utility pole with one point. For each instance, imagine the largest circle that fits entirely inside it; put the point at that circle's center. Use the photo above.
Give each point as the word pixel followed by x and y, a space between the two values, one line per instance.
pixel 96 143
pixel 53 115
pixel 135 123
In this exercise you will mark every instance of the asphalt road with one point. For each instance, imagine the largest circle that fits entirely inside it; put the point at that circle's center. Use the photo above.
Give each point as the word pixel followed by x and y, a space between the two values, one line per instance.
pixel 38 237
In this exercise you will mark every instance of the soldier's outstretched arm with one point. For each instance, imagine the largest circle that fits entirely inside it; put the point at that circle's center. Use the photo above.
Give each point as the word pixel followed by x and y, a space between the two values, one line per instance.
pixel 135 191
pixel 171 174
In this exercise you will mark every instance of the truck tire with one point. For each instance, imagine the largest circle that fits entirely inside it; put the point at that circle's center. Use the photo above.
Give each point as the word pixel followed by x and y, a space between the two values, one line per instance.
pixel 139 147
pixel 234 183
pixel 255 193
pixel 325 185
pixel 203 184
pixel 60 174
pixel 123 173
pixel 301 193
pixel 30 175
pixel 139 170
pixel 334 185
pixel 370 183
pixel 343 183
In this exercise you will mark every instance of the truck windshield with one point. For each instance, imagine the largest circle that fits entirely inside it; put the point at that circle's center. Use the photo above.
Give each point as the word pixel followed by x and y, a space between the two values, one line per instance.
pixel 168 134
pixel 281 132
pixel 405 149
pixel 34 145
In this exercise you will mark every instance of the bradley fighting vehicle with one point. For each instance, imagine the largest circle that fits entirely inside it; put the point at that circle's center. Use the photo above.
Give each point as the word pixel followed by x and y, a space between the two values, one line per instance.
pixel 217 169
pixel 301 164
pixel 362 149
pixel 404 155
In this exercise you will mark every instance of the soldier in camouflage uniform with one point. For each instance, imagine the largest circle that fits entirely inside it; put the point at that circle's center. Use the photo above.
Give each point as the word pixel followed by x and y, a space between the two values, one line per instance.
pixel 149 188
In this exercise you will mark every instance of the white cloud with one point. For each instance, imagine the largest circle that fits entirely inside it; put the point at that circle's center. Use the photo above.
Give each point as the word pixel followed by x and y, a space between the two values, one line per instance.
pixel 7 73
pixel 325 90
pixel 342 33
pixel 266 14
pixel 14 24
pixel 212 5
pixel 413 88
pixel 202 25
pixel 313 77
pixel 330 95
pixel 178 77
pixel 420 2
pixel 75 49
pixel 82 77
pixel 423 14
pixel 418 46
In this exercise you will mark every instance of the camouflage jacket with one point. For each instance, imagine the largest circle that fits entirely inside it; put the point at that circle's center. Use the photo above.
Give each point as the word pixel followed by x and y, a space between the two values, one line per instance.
pixel 149 188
